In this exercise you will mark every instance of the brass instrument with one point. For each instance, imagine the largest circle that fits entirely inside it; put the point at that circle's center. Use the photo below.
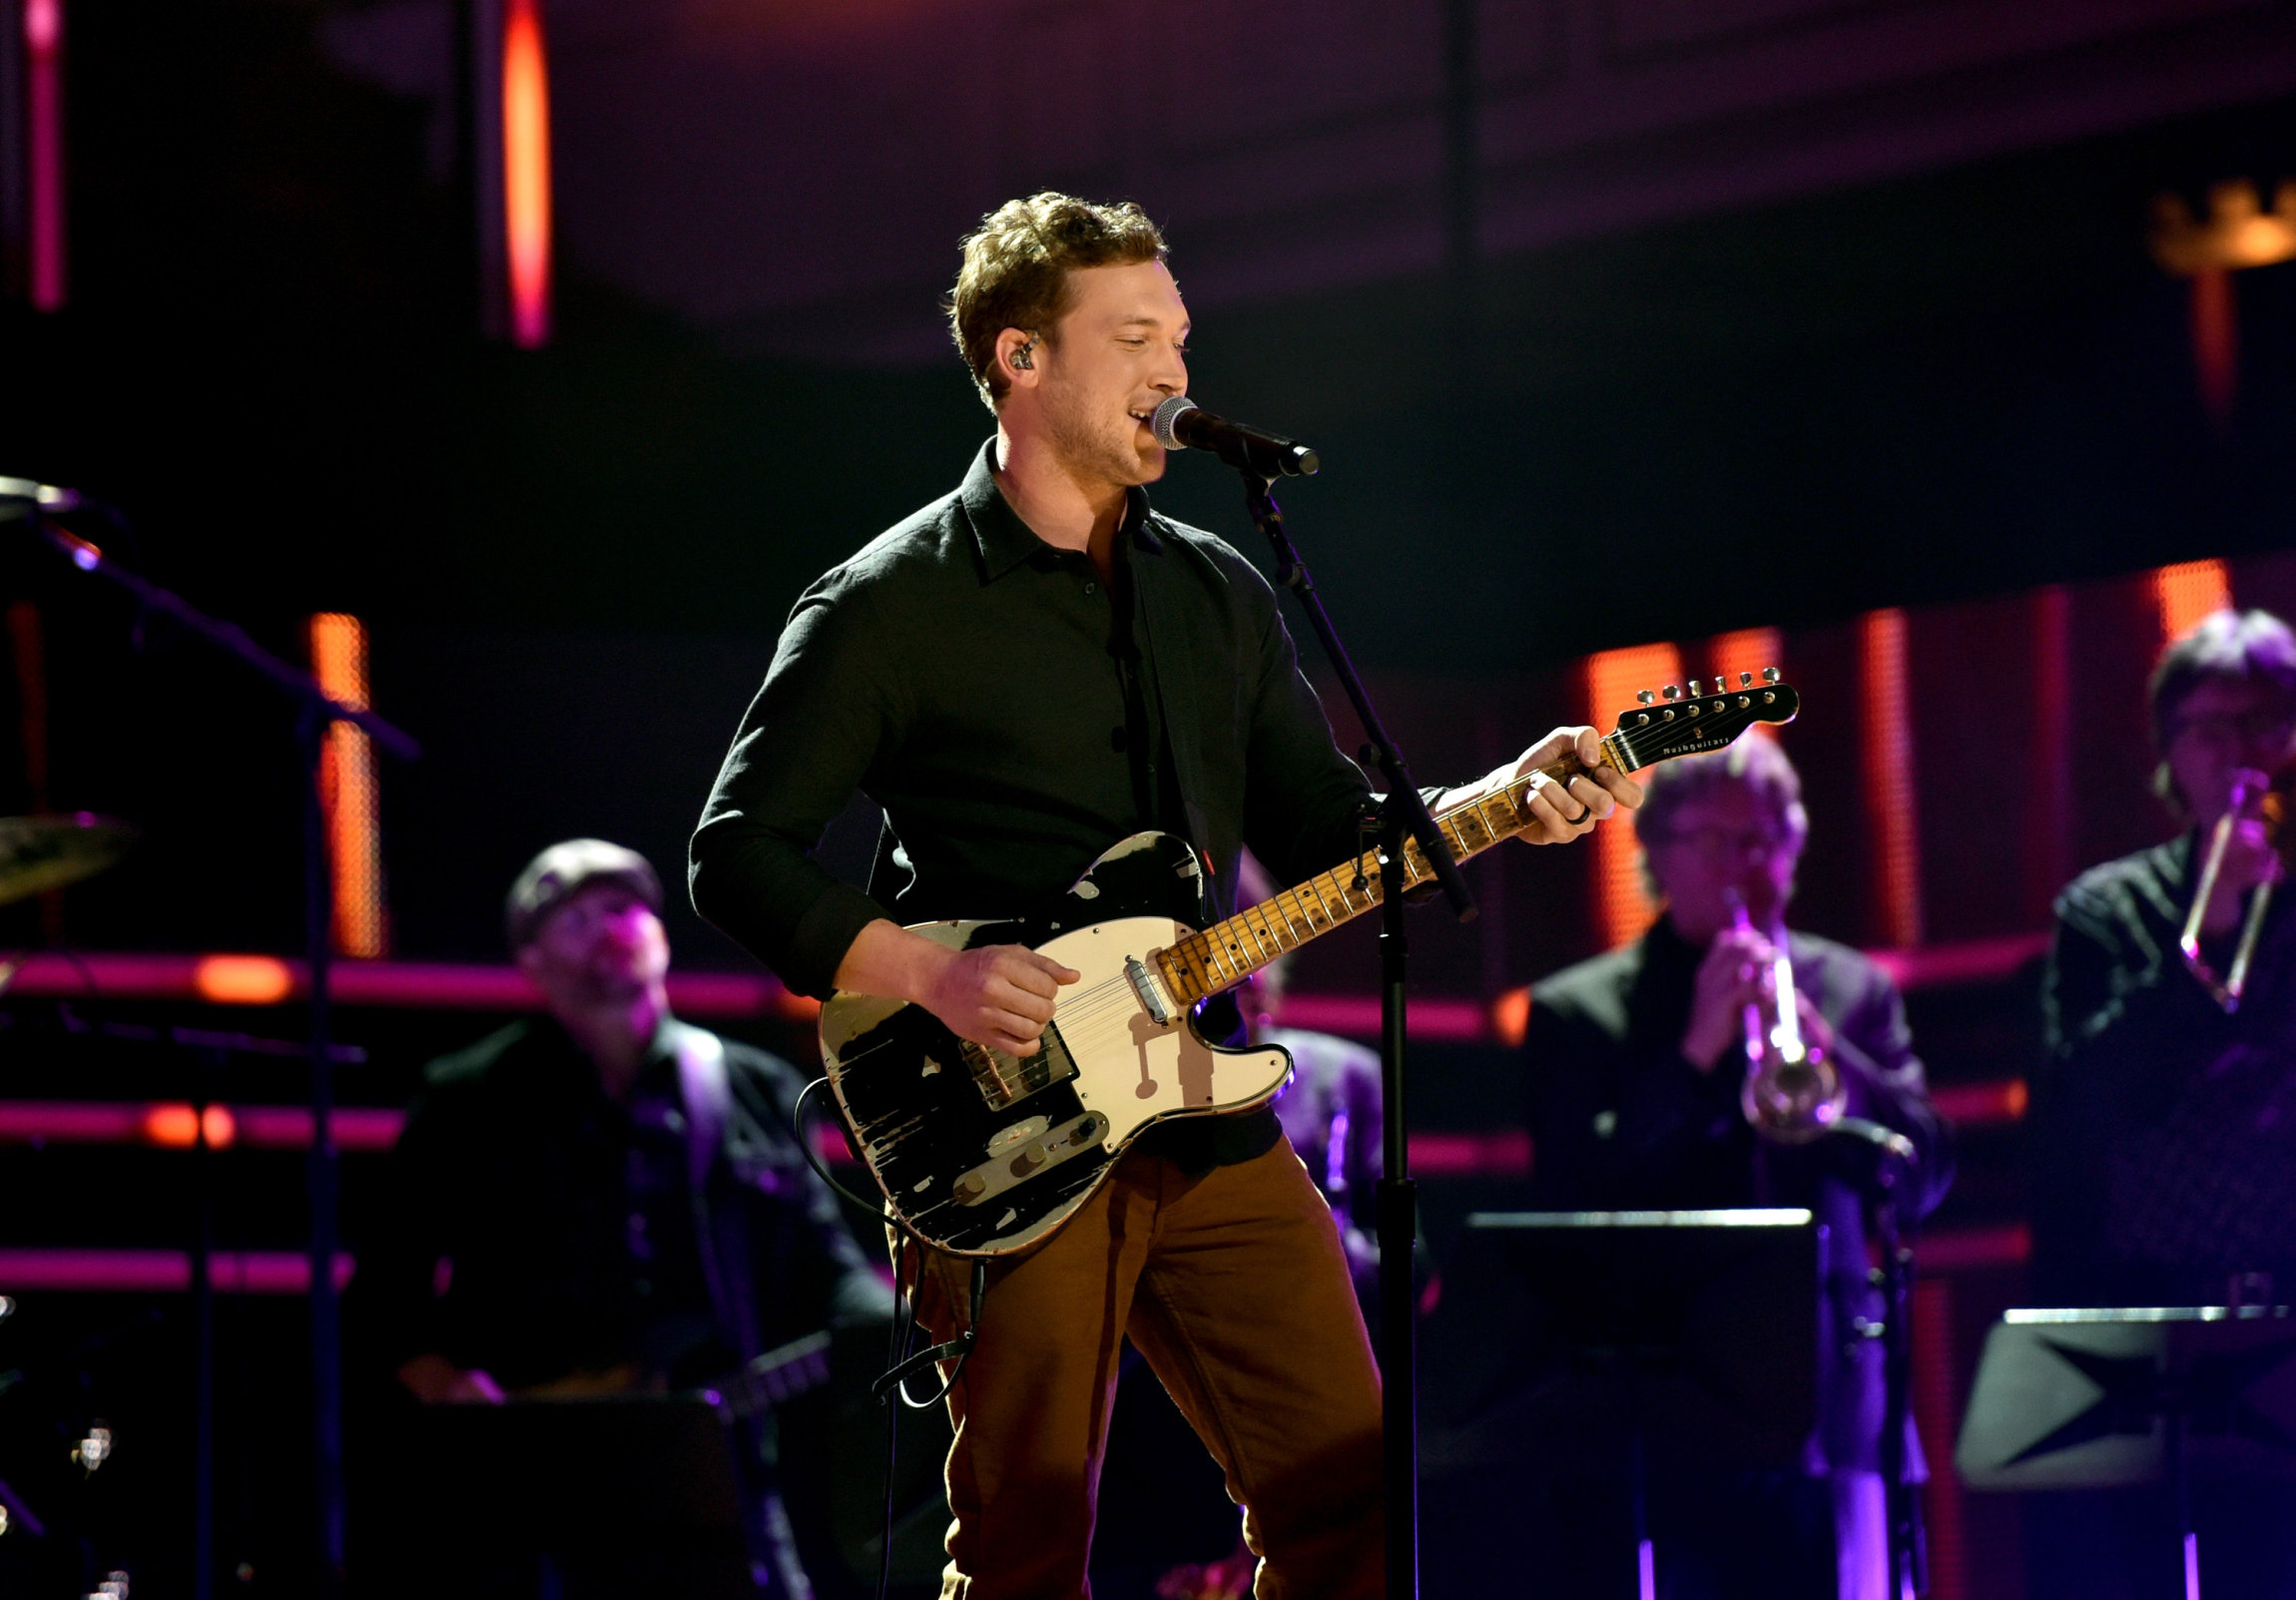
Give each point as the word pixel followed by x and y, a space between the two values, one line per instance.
pixel 2268 795
pixel 1792 1093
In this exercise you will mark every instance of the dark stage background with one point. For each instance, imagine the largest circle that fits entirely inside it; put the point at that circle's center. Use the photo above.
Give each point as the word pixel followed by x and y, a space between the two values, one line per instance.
pixel 1614 320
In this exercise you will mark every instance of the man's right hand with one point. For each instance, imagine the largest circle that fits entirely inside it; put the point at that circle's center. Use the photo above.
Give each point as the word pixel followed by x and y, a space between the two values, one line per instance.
pixel 1001 996
pixel 1734 975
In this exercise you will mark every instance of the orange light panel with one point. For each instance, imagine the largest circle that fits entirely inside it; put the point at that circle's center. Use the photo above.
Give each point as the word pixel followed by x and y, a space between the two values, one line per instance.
pixel 1889 772
pixel 242 979
pixel 1621 910
pixel 526 171
pixel 2187 592
pixel 176 1126
pixel 1511 1016
pixel 347 793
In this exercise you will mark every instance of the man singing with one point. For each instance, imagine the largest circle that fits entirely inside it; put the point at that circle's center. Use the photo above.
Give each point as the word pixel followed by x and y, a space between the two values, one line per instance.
pixel 1022 674
pixel 1635 1062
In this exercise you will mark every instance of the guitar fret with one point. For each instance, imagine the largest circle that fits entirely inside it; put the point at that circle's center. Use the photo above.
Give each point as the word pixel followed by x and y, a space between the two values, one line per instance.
pixel 1274 934
pixel 1246 919
pixel 1289 928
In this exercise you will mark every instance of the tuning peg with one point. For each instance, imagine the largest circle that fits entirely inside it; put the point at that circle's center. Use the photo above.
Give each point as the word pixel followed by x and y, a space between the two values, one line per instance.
pixel 1768 675
pixel 1673 691
pixel 1643 697
pixel 1745 679
pixel 1696 689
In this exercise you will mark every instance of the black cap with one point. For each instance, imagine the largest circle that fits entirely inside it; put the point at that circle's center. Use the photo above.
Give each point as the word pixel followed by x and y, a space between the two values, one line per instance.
pixel 553 878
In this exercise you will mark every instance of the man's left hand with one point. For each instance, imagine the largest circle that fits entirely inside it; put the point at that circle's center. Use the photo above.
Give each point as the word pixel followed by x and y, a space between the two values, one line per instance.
pixel 1561 812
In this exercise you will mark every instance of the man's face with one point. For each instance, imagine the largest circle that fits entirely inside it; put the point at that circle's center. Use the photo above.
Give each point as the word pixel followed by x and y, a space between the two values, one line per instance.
pixel 2222 726
pixel 1727 842
pixel 1114 355
pixel 603 945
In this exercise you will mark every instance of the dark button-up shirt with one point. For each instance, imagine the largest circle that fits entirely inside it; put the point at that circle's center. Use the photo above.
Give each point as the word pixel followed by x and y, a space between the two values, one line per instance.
pixel 1620 1121
pixel 2163 1128
pixel 537 1227
pixel 1015 719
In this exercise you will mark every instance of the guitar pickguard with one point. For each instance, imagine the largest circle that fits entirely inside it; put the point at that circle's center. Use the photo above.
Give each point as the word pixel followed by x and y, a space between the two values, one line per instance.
pixel 987 1154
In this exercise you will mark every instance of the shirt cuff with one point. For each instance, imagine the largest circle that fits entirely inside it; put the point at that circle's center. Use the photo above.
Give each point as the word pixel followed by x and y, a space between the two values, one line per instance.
pixel 823 935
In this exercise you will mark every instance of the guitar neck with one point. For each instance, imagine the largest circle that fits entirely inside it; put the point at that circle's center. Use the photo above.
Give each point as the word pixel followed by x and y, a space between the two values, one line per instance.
pixel 1226 953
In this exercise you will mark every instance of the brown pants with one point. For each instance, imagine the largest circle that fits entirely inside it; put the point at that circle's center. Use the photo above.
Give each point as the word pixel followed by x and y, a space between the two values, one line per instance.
pixel 1233 1287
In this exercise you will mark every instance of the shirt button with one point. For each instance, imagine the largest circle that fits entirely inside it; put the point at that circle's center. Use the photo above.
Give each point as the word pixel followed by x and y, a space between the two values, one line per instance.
pixel 1091 588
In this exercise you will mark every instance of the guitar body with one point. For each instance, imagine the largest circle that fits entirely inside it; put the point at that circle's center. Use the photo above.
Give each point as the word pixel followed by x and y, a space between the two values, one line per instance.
pixel 986 1153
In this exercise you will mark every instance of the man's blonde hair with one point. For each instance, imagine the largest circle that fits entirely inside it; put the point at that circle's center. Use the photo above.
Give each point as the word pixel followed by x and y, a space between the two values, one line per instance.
pixel 1016 266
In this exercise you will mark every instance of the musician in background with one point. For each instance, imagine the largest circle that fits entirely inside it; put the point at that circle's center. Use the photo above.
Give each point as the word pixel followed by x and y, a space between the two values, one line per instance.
pixel 1635 1061
pixel 604 1197
pixel 2162 1134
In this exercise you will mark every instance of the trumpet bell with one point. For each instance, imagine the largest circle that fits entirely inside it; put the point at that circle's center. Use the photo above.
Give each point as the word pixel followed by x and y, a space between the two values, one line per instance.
pixel 1793 1101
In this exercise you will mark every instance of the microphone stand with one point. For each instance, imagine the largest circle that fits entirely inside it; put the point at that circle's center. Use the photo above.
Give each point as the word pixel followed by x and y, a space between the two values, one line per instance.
pixel 1402 813
pixel 316 712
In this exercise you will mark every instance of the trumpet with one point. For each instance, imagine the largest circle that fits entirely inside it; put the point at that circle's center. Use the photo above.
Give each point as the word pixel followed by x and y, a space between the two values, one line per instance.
pixel 2267 794
pixel 1792 1093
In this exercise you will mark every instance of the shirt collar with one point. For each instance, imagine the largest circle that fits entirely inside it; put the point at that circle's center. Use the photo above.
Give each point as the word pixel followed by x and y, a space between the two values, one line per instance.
pixel 1004 541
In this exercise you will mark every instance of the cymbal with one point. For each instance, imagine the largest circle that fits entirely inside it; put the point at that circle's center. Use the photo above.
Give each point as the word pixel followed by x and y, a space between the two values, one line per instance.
pixel 38 853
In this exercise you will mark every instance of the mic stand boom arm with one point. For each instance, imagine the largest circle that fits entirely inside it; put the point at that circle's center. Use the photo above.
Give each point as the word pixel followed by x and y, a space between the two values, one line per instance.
pixel 1404 811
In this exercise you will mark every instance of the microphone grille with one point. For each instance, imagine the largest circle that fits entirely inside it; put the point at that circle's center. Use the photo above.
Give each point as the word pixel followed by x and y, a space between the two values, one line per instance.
pixel 1167 416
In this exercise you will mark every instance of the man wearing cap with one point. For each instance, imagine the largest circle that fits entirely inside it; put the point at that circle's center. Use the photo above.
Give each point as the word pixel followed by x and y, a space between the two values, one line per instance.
pixel 603 1198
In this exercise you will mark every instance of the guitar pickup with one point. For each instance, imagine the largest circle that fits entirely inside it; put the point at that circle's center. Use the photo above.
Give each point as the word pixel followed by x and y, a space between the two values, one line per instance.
pixel 1144 985
pixel 1010 1167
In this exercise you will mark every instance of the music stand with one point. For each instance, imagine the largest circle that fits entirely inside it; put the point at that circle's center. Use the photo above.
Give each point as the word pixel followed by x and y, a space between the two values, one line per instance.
pixel 2112 1397
pixel 1635 1341
pixel 592 1497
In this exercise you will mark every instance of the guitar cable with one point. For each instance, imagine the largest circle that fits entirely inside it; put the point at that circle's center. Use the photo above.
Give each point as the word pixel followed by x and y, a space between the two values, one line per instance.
pixel 902 1360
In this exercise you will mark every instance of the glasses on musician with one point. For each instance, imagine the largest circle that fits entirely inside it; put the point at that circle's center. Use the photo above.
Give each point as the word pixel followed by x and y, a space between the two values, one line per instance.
pixel 1724 842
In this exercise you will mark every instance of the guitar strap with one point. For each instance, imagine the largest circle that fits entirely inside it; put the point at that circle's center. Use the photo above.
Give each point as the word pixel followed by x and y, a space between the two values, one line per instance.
pixel 720 1238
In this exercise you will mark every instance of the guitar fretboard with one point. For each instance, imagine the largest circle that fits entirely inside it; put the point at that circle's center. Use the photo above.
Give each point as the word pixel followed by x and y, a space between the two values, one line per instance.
pixel 1226 953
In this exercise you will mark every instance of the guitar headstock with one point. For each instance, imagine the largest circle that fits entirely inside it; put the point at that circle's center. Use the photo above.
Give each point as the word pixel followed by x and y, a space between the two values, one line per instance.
pixel 1670 723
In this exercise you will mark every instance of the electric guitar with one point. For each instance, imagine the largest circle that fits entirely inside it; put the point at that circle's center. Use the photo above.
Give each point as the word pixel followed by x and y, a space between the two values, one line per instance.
pixel 986 1153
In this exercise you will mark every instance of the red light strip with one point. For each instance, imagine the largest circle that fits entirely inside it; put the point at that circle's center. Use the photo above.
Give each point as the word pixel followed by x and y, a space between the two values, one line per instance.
pixel 272 980
pixel 1936 1417
pixel 348 793
pixel 279 1271
pixel 159 1272
pixel 171 1125
pixel 526 171
pixel 44 150
pixel 1889 772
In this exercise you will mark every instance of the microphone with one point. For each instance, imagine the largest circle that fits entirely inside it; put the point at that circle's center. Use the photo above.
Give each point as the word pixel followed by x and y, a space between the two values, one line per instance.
pixel 45 496
pixel 1180 423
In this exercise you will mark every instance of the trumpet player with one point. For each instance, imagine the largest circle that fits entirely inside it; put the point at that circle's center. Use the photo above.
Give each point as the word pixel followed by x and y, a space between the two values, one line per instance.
pixel 1637 1064
pixel 2162 1134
